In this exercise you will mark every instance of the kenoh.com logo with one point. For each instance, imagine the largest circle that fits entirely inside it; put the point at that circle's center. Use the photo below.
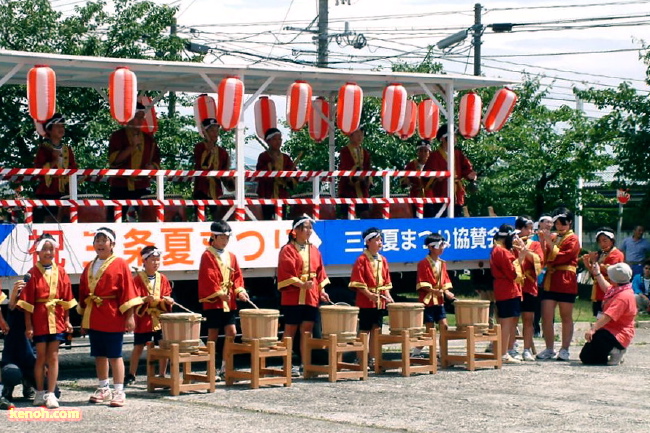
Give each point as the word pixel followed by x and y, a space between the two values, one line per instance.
pixel 42 414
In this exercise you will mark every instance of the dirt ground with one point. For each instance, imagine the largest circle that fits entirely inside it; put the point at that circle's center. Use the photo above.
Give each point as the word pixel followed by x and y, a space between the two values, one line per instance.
pixel 536 396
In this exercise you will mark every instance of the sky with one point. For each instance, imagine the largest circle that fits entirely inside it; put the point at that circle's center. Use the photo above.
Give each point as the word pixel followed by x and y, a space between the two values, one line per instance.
pixel 580 43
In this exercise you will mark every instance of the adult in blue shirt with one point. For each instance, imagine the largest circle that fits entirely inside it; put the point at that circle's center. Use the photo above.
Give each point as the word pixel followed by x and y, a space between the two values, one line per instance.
pixel 641 286
pixel 636 249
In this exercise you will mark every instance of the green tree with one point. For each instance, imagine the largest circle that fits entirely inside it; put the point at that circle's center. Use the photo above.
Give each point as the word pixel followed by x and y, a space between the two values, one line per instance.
pixel 127 28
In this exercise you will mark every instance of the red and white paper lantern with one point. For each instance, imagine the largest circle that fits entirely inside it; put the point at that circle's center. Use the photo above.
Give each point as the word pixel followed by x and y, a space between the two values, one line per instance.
pixel 150 124
pixel 40 128
pixel 298 104
pixel 230 102
pixel 469 115
pixel 348 111
pixel 410 121
pixel 122 94
pixel 41 92
pixel 393 108
pixel 205 107
pixel 428 119
pixel 499 110
pixel 319 129
pixel 265 115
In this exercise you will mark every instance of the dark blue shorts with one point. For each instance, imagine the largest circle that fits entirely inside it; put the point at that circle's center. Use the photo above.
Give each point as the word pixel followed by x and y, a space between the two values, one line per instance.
pixel 296 314
pixel 145 337
pixel 218 319
pixel 569 298
pixel 434 314
pixel 530 304
pixel 105 344
pixel 369 317
pixel 48 338
pixel 509 308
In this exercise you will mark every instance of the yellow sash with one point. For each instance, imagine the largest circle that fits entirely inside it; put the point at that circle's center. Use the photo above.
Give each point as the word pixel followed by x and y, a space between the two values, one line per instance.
pixel 277 164
pixel 136 154
pixel 210 161
pixel 306 274
pixel 595 288
pixel 154 291
pixel 438 285
pixel 65 155
pixel 92 299
pixel 227 274
pixel 458 181
pixel 551 269
pixel 357 157
pixel 377 268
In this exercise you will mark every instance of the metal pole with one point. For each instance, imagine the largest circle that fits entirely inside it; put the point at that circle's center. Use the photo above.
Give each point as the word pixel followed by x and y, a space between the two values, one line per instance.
pixel 323 18
pixel 172 95
pixel 478 30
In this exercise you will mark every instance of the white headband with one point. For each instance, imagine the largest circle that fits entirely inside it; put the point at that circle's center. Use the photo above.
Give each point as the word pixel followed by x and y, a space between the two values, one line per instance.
pixel 371 235
pixel 155 252
pixel 606 233
pixel 556 217
pixel 527 221
pixel 509 233
pixel 221 233
pixel 40 244
pixel 439 244
pixel 303 219
pixel 106 233
pixel 270 136
pixel 545 218
pixel 425 145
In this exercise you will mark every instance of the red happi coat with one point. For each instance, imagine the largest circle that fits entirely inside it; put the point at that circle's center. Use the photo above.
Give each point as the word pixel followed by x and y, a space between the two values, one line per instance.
pixel 354 187
pixel 219 275
pixel 428 278
pixel 561 265
pixel 216 159
pixel 274 187
pixel 148 153
pixel 532 267
pixel 463 167
pixel 296 266
pixel 605 261
pixel 420 186
pixel 506 272
pixel 53 185
pixel 47 295
pixel 106 296
pixel 372 274
pixel 147 315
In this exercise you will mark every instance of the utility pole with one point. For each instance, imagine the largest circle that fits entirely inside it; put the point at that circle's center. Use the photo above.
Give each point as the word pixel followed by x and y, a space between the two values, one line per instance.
pixel 171 110
pixel 323 37
pixel 478 31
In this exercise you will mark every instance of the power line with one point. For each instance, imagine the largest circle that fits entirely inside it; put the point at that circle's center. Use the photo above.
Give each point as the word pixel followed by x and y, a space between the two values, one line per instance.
pixel 565 6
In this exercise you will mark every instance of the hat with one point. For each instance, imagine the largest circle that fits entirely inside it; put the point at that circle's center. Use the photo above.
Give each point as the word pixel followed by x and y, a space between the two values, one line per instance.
pixel 620 273
pixel 208 122
pixel 56 118
pixel 11 375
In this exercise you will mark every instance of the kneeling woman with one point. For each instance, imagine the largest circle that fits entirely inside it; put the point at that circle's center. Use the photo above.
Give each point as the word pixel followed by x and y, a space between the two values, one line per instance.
pixel 612 333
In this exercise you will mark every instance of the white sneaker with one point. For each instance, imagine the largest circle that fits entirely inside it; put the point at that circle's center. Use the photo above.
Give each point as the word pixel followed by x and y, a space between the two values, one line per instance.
pixel 507 359
pixel 39 398
pixel 616 356
pixel 528 355
pixel 514 354
pixel 546 354
pixel 563 355
pixel 51 402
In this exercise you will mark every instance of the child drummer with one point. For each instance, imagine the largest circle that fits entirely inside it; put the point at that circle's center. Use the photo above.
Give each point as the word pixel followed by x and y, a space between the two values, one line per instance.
pixel 371 280
pixel 433 285
pixel 221 283
pixel 155 291
pixel 107 296
pixel 46 300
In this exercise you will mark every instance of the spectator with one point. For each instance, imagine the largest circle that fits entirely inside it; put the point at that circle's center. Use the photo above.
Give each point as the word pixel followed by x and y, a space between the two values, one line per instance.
pixel 641 287
pixel 636 249
pixel 612 333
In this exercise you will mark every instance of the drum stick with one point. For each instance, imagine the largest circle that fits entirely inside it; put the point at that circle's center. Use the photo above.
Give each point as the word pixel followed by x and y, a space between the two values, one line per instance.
pixel 183 308
pixel 262 143
pixel 251 302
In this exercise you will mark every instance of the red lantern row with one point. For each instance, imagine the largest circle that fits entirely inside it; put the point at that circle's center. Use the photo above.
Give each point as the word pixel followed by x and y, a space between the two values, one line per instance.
pixel 265 115
pixel 319 128
pixel 205 107
pixel 393 108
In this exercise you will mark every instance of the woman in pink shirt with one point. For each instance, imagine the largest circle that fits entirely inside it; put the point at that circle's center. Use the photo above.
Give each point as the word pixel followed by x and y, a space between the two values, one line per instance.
pixel 609 337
